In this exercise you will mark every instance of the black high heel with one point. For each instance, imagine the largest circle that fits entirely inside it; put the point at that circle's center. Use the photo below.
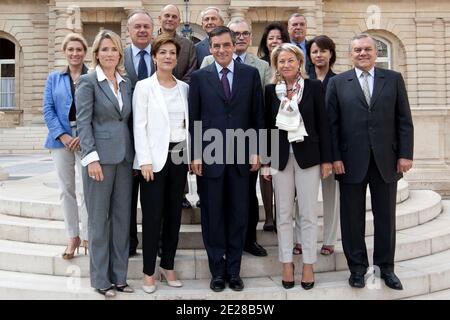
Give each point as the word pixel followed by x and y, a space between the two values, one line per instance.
pixel 307 285
pixel 289 284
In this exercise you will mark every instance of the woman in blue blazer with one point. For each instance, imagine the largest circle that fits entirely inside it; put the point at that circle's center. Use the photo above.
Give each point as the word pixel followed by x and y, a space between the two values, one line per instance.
pixel 60 116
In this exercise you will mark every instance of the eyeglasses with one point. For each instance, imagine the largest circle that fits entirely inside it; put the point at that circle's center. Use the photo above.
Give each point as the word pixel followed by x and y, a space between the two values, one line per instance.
pixel 244 34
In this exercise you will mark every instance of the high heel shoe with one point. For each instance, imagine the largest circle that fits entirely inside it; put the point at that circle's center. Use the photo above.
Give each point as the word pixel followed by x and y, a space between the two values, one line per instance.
pixel 289 284
pixel 171 283
pixel 70 255
pixel 307 285
pixel 149 288
pixel 85 245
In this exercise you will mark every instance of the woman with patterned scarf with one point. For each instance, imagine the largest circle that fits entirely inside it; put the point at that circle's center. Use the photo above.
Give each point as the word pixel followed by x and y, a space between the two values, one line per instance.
pixel 295 107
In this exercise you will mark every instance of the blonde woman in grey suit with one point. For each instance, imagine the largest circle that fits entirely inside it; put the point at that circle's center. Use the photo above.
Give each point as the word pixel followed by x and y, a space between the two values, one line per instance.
pixel 104 106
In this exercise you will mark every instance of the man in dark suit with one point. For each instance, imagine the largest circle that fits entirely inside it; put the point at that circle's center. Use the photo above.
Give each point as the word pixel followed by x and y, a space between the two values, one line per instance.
pixel 224 96
pixel 138 65
pixel 372 139
pixel 211 19
pixel 297 29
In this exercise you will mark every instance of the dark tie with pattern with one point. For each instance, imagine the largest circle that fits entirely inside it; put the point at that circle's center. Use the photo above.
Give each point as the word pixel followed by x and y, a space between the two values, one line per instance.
pixel 238 59
pixel 142 67
pixel 225 83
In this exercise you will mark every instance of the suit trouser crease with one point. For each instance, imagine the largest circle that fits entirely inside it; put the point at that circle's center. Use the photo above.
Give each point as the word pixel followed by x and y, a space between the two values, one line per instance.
pixel 68 169
pixel 108 206
pixel 330 196
pixel 161 214
pixel 224 220
pixel 306 183
pixel 353 221
pixel 253 212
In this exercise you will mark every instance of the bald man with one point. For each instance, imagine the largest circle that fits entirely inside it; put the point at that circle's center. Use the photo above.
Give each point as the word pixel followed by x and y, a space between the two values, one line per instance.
pixel 170 20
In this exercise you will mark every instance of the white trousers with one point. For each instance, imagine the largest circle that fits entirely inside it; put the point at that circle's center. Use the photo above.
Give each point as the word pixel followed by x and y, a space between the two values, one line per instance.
pixel 68 169
pixel 330 198
pixel 306 183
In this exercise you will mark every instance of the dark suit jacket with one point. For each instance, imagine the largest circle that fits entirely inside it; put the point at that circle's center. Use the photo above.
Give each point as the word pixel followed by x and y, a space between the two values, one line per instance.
pixel 330 74
pixel 316 148
pixel 187 60
pixel 202 50
pixel 207 103
pixel 385 127
pixel 129 66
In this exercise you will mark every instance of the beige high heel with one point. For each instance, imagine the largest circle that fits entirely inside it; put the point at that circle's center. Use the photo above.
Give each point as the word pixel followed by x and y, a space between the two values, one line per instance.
pixel 150 288
pixel 85 245
pixel 171 283
pixel 70 255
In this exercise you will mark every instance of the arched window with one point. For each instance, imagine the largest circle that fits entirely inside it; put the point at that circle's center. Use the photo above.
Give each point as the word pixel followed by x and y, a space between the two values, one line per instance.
pixel 7 74
pixel 384 59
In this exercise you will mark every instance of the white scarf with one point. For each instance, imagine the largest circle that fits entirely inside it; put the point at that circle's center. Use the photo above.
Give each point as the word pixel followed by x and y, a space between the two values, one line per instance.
pixel 289 117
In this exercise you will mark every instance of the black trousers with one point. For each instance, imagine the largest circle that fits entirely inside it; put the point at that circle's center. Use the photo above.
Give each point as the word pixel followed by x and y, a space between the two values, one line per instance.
pixel 161 214
pixel 224 220
pixel 133 219
pixel 353 221
pixel 253 212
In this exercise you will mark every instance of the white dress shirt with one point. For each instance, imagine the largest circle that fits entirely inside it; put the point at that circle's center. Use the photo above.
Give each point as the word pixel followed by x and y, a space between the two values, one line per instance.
pixel 370 78
pixel 230 67
pixel 137 58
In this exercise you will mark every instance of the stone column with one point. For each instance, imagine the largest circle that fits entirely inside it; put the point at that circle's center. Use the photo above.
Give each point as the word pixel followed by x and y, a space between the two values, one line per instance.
pixel 3 175
pixel 310 15
pixel 67 20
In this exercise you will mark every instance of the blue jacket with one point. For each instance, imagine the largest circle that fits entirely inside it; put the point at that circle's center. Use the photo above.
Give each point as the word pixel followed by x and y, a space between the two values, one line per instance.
pixel 57 102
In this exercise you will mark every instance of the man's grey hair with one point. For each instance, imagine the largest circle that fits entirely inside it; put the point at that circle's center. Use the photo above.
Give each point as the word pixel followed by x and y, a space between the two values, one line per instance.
pixel 239 20
pixel 297 15
pixel 219 13
pixel 139 11
pixel 362 36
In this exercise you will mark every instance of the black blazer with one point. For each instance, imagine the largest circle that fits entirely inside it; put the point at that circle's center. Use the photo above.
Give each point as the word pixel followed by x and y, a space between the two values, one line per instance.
pixel 316 148
pixel 357 129
pixel 207 103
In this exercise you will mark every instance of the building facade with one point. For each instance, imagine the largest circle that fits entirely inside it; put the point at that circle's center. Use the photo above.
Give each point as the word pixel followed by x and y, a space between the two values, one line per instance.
pixel 413 38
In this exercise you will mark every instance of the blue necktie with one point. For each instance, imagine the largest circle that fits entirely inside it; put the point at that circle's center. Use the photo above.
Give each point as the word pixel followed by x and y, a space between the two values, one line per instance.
pixel 142 67
pixel 238 59
pixel 225 83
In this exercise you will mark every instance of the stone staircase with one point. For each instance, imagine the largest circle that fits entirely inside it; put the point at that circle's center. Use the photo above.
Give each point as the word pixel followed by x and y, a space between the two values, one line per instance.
pixel 32 239
pixel 23 140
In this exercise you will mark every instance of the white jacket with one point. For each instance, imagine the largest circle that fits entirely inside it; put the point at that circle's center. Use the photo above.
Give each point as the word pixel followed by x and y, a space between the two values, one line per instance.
pixel 151 125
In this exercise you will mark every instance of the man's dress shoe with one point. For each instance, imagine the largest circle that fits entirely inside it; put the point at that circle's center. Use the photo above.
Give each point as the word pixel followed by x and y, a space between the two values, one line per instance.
pixel 256 250
pixel 132 252
pixel 391 280
pixel 236 283
pixel 356 280
pixel 217 284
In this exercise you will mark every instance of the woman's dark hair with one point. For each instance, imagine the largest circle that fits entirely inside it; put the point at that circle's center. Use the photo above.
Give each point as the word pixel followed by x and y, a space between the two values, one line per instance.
pixel 162 40
pixel 323 42
pixel 263 51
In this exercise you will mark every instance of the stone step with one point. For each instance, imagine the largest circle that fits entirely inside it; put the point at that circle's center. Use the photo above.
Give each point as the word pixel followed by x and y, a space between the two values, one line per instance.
pixel 23 151
pixel 17 205
pixel 421 206
pixel 423 240
pixel 439 295
pixel 421 276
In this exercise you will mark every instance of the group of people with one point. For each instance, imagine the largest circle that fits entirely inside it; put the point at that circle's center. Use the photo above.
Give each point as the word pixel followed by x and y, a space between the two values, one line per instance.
pixel 145 117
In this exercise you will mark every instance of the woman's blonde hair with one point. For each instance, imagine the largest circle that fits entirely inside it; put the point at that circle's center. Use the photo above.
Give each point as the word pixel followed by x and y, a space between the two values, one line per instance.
pixel 74 37
pixel 287 47
pixel 111 35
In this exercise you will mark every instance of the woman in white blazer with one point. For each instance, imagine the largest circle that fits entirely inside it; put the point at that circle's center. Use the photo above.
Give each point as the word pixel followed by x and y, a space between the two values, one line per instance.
pixel 160 122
